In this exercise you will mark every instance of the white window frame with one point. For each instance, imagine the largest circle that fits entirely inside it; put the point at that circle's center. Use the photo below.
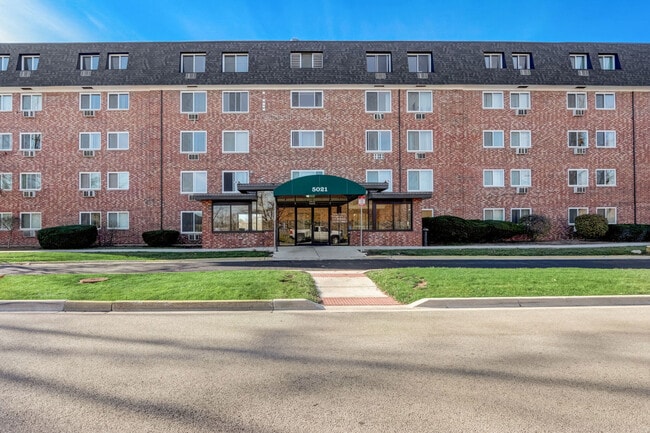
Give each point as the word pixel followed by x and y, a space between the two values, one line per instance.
pixel 525 177
pixel 381 135
pixel 117 177
pixel 420 187
pixel 119 215
pixel 492 100
pixel 381 176
pixel 196 105
pixel 607 211
pixel 492 134
pixel 383 100
pixel 6 102
pixel 581 177
pixel 605 101
pixel 605 137
pixel 492 211
pixel 300 139
pixel 195 68
pixel 493 60
pixel 239 146
pixel 579 100
pixel 307 99
pixel 238 177
pixel 90 215
pixel 93 102
pixel 521 61
pixel 520 211
pixel 37 180
pixel 194 214
pixel 4 63
pixel 493 178
pixel 518 97
pixel 195 141
pixel 6 221
pixel 578 135
pixel 94 140
pixel 122 61
pixel 92 178
pixel 35 220
pixel 35 102
pixel 571 219
pixel 6 141
pixel 238 66
pixel 524 139
pixel 374 66
pixel 424 141
pixel 92 58
pixel 225 99
pixel 34 144
pixel 306 60
pixel 579 61
pixel 419 62
pixel 199 182
pixel 6 182
pixel 119 98
pixel 120 138
pixel 605 60
pixel 295 174
pixel 609 176
pixel 29 62
pixel 419 108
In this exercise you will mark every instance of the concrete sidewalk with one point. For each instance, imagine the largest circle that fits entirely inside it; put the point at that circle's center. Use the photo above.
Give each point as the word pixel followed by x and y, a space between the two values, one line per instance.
pixel 349 288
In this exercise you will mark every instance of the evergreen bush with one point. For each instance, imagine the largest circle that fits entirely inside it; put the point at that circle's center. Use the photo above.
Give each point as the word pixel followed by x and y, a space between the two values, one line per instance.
pixel 591 226
pixel 67 237
pixel 160 238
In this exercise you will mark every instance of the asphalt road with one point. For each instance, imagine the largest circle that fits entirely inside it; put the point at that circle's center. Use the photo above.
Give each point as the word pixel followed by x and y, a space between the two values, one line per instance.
pixel 532 370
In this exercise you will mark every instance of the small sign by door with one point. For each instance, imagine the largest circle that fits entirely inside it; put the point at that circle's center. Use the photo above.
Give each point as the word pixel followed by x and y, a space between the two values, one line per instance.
pixel 362 200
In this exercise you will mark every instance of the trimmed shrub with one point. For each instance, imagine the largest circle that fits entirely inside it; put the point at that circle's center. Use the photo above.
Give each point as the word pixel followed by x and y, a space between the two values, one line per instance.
pixel 627 233
pixel 67 237
pixel 536 226
pixel 447 229
pixel 591 226
pixel 160 238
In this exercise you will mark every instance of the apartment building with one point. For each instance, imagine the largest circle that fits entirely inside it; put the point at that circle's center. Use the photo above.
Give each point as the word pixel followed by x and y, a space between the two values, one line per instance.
pixel 249 144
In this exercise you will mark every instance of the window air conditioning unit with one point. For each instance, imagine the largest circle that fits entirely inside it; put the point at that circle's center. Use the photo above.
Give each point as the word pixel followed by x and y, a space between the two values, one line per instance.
pixel 380 76
pixel 86 73
pixel 193 156
pixel 89 113
pixel 88 153
pixel 423 75
pixel 522 151
pixel 29 233
pixel 29 113
pixel 524 71
pixel 25 74
pixel 193 117
pixel 379 116
pixel 190 76
pixel 522 190
pixel 579 150
pixel 29 153
pixel 420 116
pixel 420 155
pixel 578 113
pixel 521 111
pixel 378 156
pixel 194 237
pixel 29 194
pixel 579 189
pixel 89 193
pixel 583 72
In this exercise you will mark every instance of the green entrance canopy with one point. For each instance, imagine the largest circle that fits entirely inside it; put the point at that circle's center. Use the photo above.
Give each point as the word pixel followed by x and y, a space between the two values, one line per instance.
pixel 319 184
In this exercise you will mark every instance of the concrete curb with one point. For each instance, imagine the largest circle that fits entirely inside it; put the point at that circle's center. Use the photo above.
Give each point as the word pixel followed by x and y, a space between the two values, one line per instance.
pixel 550 301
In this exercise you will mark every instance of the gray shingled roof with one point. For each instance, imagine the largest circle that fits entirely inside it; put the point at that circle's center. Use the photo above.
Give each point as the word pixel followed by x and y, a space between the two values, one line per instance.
pixel 454 63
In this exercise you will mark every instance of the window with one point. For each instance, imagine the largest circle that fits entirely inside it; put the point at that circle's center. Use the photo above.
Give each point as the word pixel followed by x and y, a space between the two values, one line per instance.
pixel 233 178
pixel 521 61
pixel 30 181
pixel 231 217
pixel 193 182
pixel 118 101
pixel 194 141
pixel 608 212
pixel 295 174
pixel 378 102
pixel 30 141
pixel 605 138
pixel 306 138
pixel 520 178
pixel 494 214
pixel 419 180
pixel 194 102
pixel 117 141
pixel 30 220
pixel 90 181
pixel 380 176
pixel 606 177
pixel 235 102
pixel 516 214
pixel 492 138
pixel 193 62
pixel 235 141
pixel 493 100
pixel 579 61
pixel 90 219
pixel 576 101
pixel 378 141
pixel 520 100
pixel 578 139
pixel 419 101
pixel 5 142
pixel 420 141
pixel 391 215
pixel 378 62
pixel 235 63
pixel 117 220
pixel 307 99
pixel 605 101
pixel 29 62
pixel 90 101
pixel 607 61
pixel 118 180
pixel 493 178
pixel 5 103
pixel 493 60
pixel 90 141
pixel 6 221
pixel 579 177
pixel 6 182
pixel 118 61
pixel 31 103
pixel 4 63
pixel 576 212
pixel 520 139
pixel 306 60
pixel 192 222
pixel 419 62
pixel 89 62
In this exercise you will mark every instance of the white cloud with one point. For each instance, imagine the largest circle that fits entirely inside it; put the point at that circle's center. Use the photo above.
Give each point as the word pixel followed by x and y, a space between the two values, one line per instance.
pixel 38 21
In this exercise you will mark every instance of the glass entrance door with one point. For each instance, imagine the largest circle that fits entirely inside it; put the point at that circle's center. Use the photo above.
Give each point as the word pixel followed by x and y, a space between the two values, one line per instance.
pixel 312 225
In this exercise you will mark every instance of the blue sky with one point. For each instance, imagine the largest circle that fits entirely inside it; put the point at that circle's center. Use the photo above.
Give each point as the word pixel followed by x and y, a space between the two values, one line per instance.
pixel 214 20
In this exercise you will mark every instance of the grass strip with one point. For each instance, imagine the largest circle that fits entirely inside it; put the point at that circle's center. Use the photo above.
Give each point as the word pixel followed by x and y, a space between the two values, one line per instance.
pixel 411 284
pixel 515 251
pixel 222 285
pixel 51 256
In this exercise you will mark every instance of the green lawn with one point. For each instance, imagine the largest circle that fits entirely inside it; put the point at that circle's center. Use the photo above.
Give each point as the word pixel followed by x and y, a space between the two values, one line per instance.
pixel 411 284
pixel 53 256
pixel 570 251
pixel 222 285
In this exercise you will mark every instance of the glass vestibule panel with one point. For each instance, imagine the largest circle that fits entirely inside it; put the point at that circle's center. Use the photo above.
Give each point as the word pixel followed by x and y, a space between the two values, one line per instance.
pixel 302 234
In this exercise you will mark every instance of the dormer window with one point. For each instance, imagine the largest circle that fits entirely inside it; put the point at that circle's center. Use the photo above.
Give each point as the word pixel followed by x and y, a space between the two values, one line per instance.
pixel 493 60
pixel 579 61
pixel 235 62
pixel 29 62
pixel 306 60
pixel 193 62
pixel 118 61
pixel 607 62
pixel 378 62
pixel 419 62
pixel 4 63
pixel 521 61
pixel 89 62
